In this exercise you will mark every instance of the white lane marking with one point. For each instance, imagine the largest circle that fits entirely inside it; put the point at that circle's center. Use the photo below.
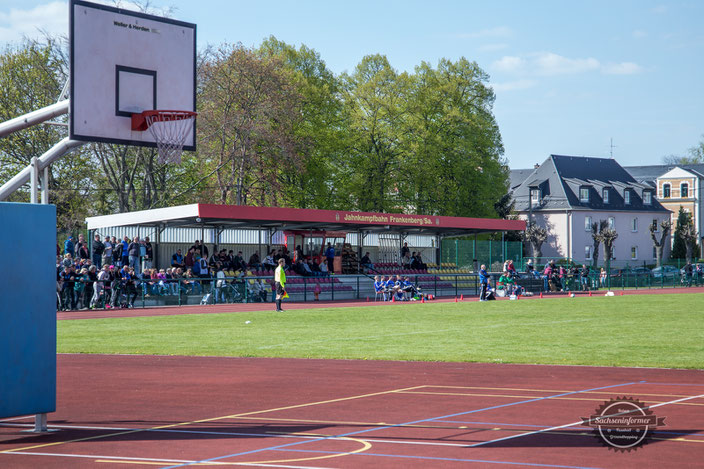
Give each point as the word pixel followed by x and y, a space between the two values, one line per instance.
pixel 160 460
pixel 573 424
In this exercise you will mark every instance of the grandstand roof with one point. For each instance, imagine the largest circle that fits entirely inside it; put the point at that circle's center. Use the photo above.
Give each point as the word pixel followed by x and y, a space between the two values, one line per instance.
pixel 279 218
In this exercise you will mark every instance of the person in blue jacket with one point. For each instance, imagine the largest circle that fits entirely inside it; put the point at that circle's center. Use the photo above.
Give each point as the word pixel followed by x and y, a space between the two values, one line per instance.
pixel 484 282
pixel 68 246
pixel 330 256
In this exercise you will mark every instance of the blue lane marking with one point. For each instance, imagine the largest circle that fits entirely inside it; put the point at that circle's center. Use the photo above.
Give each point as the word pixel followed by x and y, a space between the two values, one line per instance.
pixel 548 426
pixel 359 432
pixel 436 458
pixel 675 384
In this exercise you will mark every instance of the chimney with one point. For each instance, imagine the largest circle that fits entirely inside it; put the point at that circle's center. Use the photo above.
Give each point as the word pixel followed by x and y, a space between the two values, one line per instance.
pixel 536 166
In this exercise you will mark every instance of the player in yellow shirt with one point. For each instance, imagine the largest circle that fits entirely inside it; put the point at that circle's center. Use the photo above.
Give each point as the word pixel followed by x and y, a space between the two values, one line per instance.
pixel 280 279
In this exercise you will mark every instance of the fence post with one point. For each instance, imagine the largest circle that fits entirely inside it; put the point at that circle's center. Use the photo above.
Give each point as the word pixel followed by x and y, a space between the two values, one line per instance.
pixel 305 290
pixel 456 253
pixel 490 252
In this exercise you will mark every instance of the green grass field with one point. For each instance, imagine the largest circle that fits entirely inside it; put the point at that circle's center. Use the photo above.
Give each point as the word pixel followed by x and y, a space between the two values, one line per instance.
pixel 638 330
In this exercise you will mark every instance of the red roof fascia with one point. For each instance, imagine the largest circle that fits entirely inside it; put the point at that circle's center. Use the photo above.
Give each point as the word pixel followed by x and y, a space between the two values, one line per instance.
pixel 240 212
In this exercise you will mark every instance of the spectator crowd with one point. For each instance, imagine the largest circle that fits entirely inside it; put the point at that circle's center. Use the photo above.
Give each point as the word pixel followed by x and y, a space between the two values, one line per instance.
pixel 111 273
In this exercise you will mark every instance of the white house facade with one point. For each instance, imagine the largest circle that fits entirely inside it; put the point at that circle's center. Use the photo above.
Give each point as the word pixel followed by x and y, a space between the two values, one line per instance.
pixel 566 195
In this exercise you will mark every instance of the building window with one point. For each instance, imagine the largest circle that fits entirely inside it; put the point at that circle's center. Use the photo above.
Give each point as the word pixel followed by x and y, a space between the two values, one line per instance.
pixel 634 225
pixel 605 195
pixel 535 196
pixel 684 190
pixel 627 196
pixel 584 194
pixel 647 197
pixel 655 224
pixel 665 191
pixel 612 223
pixel 587 223
pixel 587 252
pixel 634 253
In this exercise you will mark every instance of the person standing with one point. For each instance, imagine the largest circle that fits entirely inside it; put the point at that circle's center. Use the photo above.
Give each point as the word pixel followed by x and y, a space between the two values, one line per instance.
pixel 280 284
pixel 98 249
pixel 134 251
pixel 330 256
pixel 148 256
pixel 584 277
pixel 484 283
pixel 125 251
pixel 107 251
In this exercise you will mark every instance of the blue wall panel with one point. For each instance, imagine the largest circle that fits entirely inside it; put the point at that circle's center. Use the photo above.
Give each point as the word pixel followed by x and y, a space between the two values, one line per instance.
pixel 27 309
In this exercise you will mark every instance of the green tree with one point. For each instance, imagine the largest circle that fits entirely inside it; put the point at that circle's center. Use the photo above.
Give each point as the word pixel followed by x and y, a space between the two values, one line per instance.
pixel 695 155
pixel 249 107
pixel 32 75
pixel 659 244
pixel 375 100
pixel 321 129
pixel 684 242
pixel 454 163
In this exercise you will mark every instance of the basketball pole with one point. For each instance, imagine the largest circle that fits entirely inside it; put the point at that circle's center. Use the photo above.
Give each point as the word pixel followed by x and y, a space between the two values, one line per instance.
pixel 33 118
pixel 53 154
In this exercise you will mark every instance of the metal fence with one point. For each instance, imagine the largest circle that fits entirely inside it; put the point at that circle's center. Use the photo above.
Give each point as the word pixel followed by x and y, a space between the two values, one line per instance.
pixel 252 289
pixel 465 252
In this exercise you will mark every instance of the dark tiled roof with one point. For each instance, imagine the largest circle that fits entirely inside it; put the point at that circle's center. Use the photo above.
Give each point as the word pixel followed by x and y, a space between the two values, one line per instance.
pixel 517 176
pixel 650 173
pixel 561 177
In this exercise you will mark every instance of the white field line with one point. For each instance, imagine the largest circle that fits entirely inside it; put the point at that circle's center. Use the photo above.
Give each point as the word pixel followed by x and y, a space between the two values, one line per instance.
pixel 544 430
pixel 160 460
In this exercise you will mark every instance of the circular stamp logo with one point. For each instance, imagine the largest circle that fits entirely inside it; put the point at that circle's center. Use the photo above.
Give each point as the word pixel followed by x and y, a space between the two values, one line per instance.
pixel 623 424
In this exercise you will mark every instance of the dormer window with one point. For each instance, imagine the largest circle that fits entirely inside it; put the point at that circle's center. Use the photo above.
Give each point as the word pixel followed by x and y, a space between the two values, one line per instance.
pixel 647 197
pixel 584 194
pixel 684 190
pixel 627 197
pixel 665 191
pixel 605 195
pixel 535 196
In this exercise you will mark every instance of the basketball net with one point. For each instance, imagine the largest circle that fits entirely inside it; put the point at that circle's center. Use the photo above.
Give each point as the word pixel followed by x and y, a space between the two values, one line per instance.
pixel 170 130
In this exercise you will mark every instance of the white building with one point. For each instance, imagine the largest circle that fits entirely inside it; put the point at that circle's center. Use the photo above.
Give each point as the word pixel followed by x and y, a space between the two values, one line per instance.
pixel 566 194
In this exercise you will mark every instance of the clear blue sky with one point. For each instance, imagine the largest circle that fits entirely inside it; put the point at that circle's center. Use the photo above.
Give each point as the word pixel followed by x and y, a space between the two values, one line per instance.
pixel 568 76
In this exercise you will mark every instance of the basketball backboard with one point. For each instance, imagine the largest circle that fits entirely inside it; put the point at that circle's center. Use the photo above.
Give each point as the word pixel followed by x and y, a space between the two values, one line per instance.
pixel 124 62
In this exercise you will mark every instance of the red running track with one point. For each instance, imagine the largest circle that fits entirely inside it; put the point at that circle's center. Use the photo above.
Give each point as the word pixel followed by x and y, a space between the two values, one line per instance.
pixel 151 411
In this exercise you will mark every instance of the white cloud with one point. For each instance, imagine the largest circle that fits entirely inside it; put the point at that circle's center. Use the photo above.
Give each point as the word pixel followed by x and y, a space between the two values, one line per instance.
pixel 623 68
pixel 513 85
pixel 548 63
pixel 492 47
pixel 660 9
pixel 51 17
pixel 497 32
pixel 639 34
pixel 511 64
pixel 551 64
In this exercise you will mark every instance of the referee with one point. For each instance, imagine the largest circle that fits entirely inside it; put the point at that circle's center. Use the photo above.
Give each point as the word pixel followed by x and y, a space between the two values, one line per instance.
pixel 280 279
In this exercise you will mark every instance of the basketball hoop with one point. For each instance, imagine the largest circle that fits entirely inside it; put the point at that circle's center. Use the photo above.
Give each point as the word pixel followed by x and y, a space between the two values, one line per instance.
pixel 169 129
